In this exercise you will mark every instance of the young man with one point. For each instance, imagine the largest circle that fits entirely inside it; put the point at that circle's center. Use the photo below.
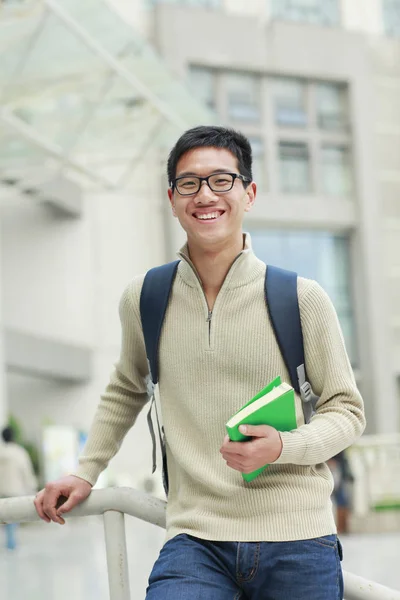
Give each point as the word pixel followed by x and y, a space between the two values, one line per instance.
pixel 273 538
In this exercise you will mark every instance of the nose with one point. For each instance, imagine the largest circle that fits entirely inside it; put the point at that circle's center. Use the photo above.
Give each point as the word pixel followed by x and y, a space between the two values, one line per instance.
pixel 205 195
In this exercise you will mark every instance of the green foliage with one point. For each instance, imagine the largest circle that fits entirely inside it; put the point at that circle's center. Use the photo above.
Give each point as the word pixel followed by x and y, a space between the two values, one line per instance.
pixel 30 447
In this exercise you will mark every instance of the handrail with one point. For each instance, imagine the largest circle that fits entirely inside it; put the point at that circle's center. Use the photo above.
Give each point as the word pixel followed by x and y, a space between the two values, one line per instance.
pixel 152 510
pixel 125 500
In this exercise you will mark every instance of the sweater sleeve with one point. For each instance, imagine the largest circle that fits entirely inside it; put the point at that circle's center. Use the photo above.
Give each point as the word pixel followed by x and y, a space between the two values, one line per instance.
pixel 124 396
pixel 339 419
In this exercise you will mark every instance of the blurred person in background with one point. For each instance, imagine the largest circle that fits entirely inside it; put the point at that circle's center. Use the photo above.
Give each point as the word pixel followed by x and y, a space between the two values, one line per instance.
pixel 343 478
pixel 274 538
pixel 17 477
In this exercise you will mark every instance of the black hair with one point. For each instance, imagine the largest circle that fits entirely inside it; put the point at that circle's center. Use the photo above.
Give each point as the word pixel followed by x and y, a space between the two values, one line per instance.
pixel 207 136
pixel 8 434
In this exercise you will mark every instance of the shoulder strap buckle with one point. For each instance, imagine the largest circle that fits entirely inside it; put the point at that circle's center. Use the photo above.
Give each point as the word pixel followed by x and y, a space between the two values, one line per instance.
pixel 308 398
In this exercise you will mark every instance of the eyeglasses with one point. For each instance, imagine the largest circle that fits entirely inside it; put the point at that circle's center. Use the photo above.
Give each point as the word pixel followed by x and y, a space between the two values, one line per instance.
pixel 188 185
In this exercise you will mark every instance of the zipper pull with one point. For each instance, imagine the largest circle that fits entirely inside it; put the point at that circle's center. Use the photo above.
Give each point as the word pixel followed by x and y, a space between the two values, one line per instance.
pixel 209 316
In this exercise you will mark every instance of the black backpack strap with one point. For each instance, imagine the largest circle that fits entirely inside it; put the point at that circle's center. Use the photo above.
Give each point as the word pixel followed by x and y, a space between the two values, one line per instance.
pixel 283 308
pixel 154 298
pixel 156 290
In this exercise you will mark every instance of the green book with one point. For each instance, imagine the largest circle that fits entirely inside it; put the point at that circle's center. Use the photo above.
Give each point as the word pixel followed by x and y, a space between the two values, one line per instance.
pixel 274 405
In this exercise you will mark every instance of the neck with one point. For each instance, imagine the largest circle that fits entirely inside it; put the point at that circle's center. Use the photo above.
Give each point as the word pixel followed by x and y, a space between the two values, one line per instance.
pixel 213 264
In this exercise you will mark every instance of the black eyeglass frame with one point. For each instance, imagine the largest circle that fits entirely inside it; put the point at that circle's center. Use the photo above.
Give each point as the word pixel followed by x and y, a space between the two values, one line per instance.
pixel 206 179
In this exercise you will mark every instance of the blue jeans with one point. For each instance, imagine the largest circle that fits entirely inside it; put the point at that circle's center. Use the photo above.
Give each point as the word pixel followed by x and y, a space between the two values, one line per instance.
pixel 189 568
pixel 11 530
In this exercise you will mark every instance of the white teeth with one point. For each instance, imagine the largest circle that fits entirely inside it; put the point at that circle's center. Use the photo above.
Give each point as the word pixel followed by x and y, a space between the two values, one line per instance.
pixel 209 216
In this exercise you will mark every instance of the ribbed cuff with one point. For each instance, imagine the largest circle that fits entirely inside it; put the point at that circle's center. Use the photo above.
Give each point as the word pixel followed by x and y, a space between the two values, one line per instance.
pixel 87 475
pixel 293 448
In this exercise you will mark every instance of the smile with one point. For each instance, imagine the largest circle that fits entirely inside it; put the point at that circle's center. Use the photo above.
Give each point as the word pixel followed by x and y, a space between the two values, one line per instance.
pixel 210 216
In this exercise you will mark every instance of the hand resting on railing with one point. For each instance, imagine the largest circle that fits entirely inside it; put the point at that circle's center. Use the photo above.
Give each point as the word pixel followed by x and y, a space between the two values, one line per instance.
pixel 60 496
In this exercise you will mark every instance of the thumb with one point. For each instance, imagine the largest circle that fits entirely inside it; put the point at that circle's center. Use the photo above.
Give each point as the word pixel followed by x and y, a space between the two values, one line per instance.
pixel 255 430
pixel 73 499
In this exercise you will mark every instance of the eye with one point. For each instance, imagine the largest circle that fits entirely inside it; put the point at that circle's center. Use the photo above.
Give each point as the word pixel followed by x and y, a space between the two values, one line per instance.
pixel 221 181
pixel 187 183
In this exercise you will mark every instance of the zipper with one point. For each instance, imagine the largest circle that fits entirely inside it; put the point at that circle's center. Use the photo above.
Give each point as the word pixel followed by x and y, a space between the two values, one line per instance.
pixel 210 312
pixel 209 326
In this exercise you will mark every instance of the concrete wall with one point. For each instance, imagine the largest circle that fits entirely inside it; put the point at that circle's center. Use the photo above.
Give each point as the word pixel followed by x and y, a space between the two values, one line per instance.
pixel 384 57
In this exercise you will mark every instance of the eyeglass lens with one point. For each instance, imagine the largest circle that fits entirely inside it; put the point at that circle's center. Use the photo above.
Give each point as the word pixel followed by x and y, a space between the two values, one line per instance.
pixel 220 182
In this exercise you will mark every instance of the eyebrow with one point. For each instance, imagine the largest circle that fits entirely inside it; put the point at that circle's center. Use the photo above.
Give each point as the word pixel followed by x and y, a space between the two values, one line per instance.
pixel 215 171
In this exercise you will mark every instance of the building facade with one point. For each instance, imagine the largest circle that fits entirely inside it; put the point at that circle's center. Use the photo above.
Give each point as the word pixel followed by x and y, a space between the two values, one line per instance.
pixel 315 85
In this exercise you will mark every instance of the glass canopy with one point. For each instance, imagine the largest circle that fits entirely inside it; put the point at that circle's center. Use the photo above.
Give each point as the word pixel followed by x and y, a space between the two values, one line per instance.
pixel 79 86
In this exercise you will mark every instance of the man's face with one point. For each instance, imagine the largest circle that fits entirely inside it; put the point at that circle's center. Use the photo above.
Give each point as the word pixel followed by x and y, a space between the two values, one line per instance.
pixel 208 217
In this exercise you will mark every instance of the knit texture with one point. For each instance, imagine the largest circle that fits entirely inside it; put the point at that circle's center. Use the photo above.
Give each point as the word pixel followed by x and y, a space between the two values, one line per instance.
pixel 207 372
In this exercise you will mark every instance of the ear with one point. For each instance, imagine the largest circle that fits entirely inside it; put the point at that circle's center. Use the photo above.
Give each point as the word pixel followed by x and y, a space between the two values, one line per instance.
pixel 251 193
pixel 172 201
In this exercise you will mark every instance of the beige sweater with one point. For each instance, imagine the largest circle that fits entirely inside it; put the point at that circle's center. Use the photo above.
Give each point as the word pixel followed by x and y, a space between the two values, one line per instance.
pixel 207 372
pixel 16 472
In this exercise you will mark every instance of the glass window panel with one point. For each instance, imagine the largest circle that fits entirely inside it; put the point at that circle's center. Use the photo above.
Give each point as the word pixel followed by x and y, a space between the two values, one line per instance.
pixel 117 132
pixel 104 25
pixel 391 17
pixel 59 53
pixel 332 106
pixel 243 94
pixel 259 167
pixel 202 84
pixel 319 255
pixel 290 102
pixel 15 40
pixel 322 12
pixel 336 171
pixel 16 152
pixel 59 110
pixel 148 68
pixel 294 167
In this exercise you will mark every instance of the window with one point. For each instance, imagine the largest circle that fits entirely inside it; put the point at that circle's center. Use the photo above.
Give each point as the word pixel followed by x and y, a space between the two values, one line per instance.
pixel 332 106
pixel 323 12
pixel 294 167
pixel 391 17
pixel 290 102
pixel 259 169
pixel 319 255
pixel 202 84
pixel 243 96
pixel 336 171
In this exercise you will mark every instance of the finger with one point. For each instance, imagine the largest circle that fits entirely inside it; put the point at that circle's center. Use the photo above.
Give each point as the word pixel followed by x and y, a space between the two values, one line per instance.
pixel 234 456
pixel 225 443
pixel 234 465
pixel 38 502
pixel 256 430
pixel 50 502
pixel 70 503
pixel 239 448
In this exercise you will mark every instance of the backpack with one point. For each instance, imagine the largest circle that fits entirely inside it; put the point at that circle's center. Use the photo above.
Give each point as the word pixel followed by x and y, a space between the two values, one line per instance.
pixel 283 309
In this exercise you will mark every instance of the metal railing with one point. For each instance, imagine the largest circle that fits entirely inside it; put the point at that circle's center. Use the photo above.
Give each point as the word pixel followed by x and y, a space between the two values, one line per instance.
pixel 114 503
pixel 375 463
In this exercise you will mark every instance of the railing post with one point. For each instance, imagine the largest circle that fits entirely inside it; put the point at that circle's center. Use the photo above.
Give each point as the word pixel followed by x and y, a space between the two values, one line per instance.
pixel 117 558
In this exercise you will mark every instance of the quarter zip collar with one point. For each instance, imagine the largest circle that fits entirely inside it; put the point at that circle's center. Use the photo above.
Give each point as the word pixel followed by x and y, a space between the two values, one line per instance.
pixel 245 268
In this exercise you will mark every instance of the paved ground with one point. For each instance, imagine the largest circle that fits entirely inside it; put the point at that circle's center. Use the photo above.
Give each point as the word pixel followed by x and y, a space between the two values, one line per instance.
pixel 69 563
